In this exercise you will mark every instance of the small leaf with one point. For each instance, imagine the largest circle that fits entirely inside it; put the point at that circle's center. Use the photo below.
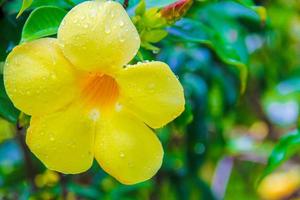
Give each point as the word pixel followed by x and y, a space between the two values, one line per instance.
pixel 288 145
pixel 25 4
pixel 149 46
pixel 43 21
pixel 141 8
pixel 154 36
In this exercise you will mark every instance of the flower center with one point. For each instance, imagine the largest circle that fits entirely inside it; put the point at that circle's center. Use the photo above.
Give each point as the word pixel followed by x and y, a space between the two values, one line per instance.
pixel 100 90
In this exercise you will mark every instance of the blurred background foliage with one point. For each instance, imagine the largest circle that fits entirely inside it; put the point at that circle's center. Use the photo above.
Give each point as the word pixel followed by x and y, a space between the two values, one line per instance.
pixel 239 64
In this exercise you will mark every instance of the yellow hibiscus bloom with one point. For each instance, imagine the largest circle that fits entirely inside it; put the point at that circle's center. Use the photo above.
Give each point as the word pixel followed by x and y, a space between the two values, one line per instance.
pixel 83 101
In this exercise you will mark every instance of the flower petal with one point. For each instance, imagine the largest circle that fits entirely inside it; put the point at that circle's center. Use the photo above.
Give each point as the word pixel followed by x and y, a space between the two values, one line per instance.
pixel 98 36
pixel 152 92
pixel 37 77
pixel 127 149
pixel 64 140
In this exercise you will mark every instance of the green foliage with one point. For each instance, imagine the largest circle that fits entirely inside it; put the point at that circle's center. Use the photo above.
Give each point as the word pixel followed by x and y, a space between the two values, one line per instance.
pixel 287 146
pixel 25 4
pixel 240 72
pixel 7 109
pixel 43 21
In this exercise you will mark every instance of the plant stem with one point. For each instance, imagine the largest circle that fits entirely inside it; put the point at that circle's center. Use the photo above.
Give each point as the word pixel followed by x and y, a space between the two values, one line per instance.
pixel 30 170
pixel 63 181
pixel 126 3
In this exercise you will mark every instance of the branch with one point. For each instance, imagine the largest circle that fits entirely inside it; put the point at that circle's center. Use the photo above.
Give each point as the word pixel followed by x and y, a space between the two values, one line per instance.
pixel 30 170
pixel 125 4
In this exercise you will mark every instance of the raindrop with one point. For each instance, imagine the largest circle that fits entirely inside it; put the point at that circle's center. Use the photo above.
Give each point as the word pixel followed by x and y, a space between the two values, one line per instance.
pixel 155 51
pixel 122 39
pixel 107 29
pixel 52 138
pixel 122 155
pixel 121 23
pixel 118 107
pixel 94 114
pixel 53 76
pixel 151 86
pixel 93 13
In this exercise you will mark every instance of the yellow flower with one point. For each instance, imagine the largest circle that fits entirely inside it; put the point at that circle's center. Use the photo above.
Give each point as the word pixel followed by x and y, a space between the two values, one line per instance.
pixel 83 101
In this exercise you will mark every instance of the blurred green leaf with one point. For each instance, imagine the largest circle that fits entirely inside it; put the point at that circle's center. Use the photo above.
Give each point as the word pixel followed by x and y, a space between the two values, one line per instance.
pixel 7 130
pixel 43 21
pixel 7 109
pixel 84 191
pixel 288 145
pixel 1 67
pixel 194 31
pixel 158 4
pixel 246 2
pixel 25 4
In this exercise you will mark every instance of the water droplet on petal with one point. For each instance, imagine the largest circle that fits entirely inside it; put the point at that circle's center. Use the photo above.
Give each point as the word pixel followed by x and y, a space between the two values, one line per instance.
pixel 122 39
pixel 122 155
pixel 118 107
pixel 107 29
pixel 121 23
pixel 94 114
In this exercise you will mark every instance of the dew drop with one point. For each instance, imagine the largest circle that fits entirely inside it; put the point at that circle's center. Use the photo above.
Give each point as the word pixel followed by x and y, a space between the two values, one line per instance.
pixel 52 138
pixel 155 51
pixel 93 13
pixel 94 114
pixel 121 23
pixel 122 39
pixel 122 155
pixel 53 76
pixel 151 86
pixel 107 29
pixel 118 107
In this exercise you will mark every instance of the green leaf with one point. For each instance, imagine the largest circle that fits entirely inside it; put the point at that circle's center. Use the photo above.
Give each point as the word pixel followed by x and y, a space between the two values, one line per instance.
pixel 193 31
pixel 1 67
pixel 288 145
pixel 141 8
pixel 154 36
pixel 7 109
pixel 43 21
pixel 25 4
pixel 150 47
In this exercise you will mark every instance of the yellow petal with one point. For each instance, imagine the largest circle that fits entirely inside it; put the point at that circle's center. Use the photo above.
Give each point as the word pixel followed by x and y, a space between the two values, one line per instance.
pixel 37 77
pixel 98 36
pixel 127 149
pixel 64 140
pixel 152 92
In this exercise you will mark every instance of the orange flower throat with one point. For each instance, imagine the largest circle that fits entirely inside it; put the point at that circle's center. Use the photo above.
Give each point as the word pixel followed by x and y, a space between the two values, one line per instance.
pixel 100 90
